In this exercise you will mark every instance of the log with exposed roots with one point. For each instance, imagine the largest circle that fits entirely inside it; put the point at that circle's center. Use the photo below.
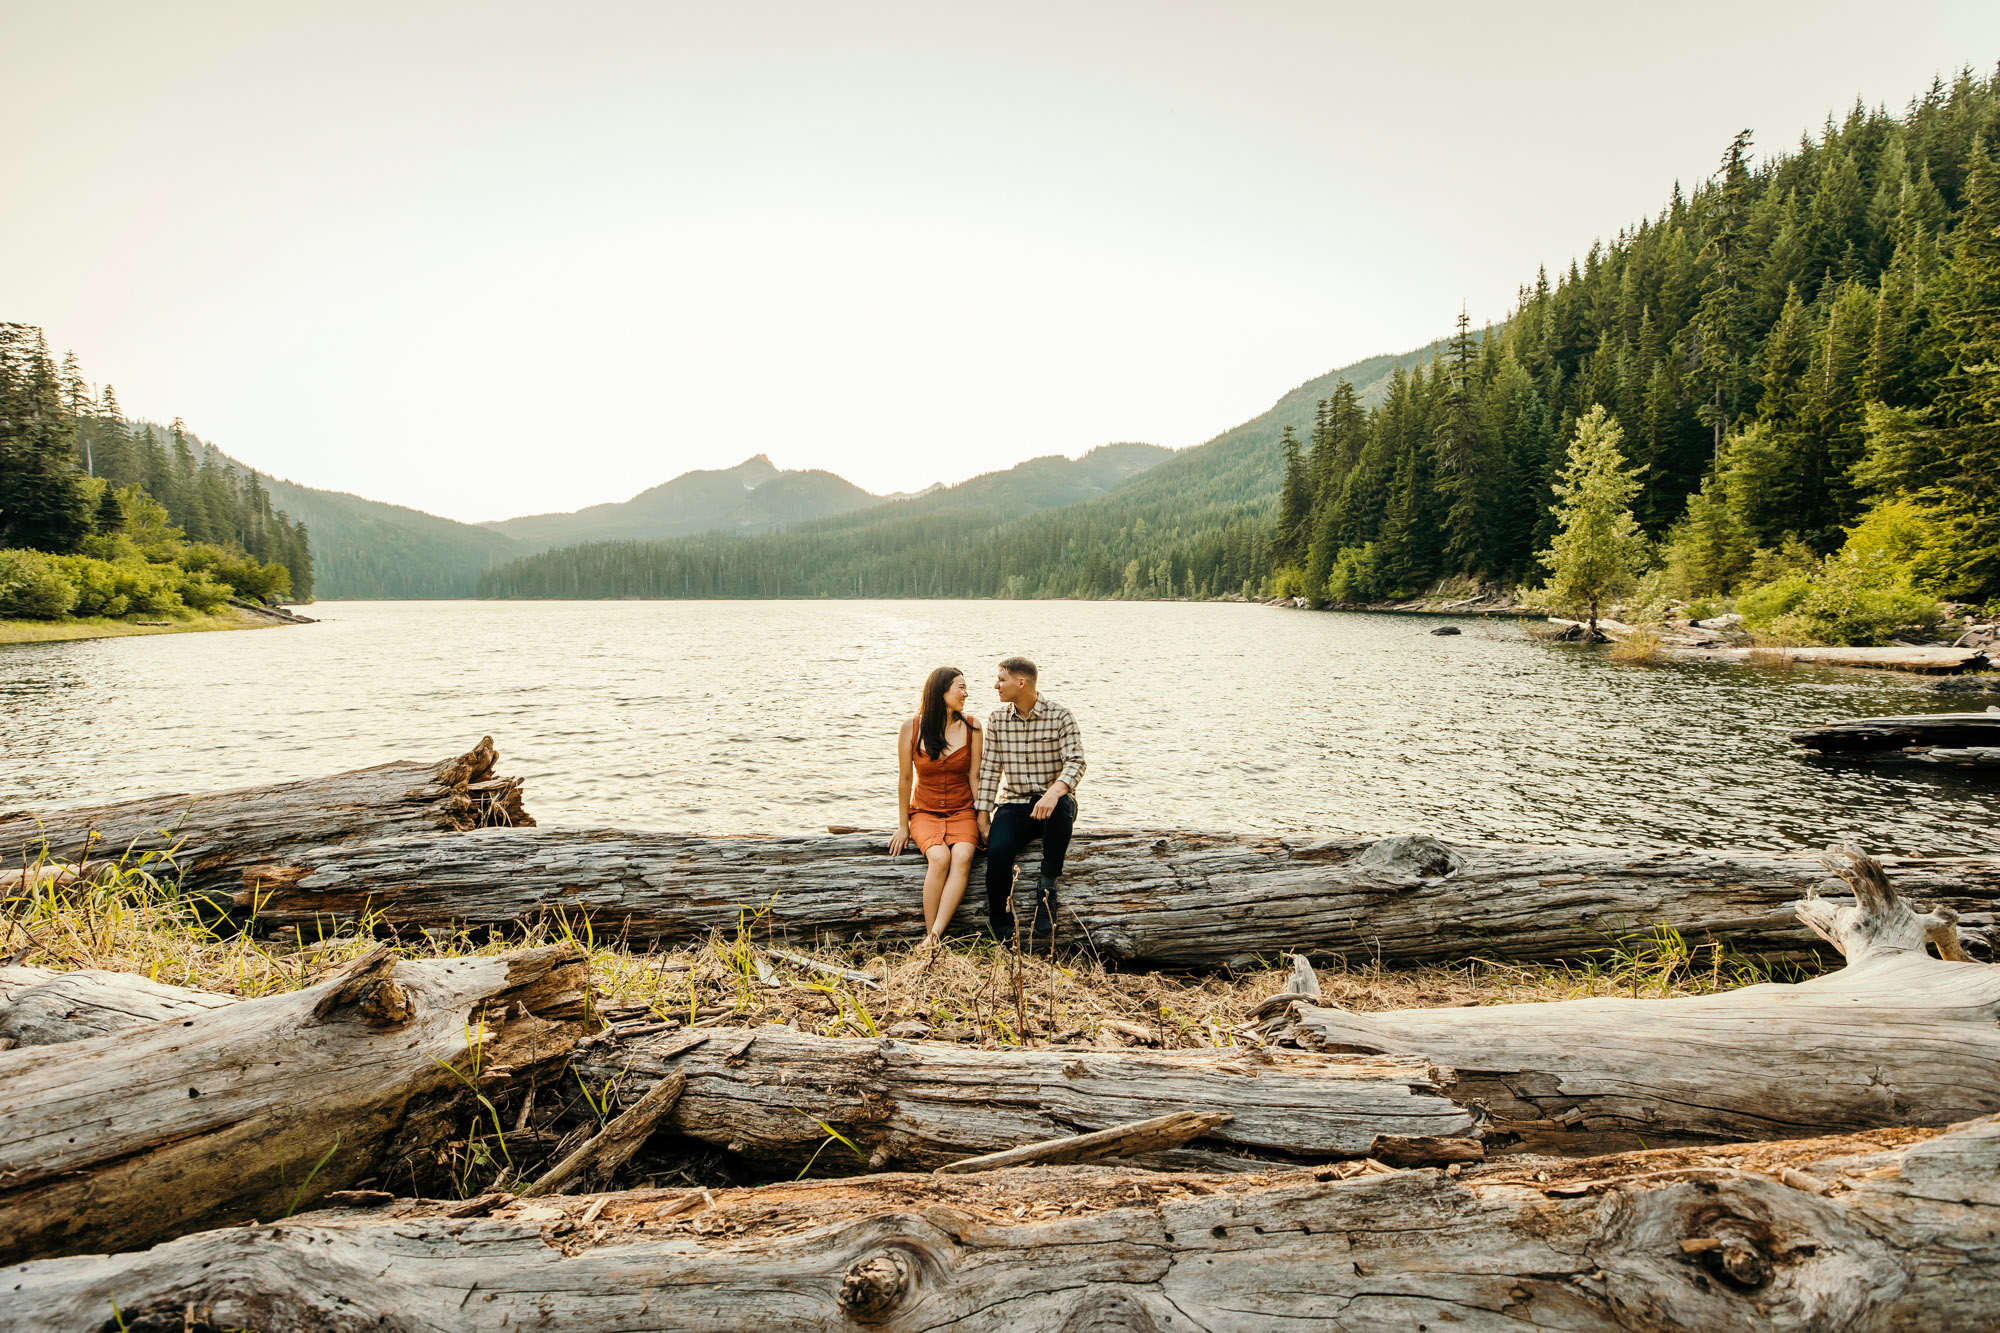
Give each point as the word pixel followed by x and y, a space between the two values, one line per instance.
pixel 261 1106
pixel 1889 1230
pixel 211 838
pixel 1897 1037
pixel 1165 898
pixel 772 1096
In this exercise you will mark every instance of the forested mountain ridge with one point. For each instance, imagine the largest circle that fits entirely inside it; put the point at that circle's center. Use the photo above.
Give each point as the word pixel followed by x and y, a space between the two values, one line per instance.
pixel 752 496
pixel 1194 524
pixel 1796 358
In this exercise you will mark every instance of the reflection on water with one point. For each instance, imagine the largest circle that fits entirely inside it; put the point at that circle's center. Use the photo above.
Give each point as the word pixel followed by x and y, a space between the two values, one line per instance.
pixel 749 716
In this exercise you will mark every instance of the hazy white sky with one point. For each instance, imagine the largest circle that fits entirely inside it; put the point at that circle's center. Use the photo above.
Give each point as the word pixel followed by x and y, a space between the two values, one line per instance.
pixel 487 259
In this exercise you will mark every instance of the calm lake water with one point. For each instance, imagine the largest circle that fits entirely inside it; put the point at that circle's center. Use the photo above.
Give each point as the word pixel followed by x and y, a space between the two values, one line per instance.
pixel 781 716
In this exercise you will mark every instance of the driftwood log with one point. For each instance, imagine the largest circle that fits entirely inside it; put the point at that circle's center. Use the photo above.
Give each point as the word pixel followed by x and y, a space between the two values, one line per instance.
pixel 212 838
pixel 772 1096
pixel 1894 1038
pixel 257 1108
pixel 1166 898
pixel 40 1007
pixel 1882 1231
pixel 1863 734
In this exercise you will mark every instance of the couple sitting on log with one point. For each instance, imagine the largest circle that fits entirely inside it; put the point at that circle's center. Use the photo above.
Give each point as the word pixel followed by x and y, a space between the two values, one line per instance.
pixel 1028 758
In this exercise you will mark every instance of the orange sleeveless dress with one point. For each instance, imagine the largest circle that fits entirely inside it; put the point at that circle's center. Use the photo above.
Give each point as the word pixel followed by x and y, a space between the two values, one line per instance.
pixel 941 803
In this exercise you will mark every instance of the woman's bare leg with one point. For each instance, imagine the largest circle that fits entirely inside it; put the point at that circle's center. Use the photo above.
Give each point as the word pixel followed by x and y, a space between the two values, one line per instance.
pixel 954 889
pixel 937 860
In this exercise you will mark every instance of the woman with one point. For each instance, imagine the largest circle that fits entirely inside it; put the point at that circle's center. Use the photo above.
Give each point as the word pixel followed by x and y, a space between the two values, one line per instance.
pixel 937 754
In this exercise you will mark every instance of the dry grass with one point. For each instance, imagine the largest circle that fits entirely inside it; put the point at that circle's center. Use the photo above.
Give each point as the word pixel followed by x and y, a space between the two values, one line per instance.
pixel 1640 646
pixel 137 921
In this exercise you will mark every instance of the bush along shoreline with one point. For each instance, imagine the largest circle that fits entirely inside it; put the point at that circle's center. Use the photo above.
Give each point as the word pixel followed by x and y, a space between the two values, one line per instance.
pixel 137 571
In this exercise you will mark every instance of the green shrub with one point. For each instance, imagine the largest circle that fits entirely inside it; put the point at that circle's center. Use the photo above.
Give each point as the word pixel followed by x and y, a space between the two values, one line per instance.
pixel 199 591
pixel 96 584
pixel 1761 606
pixel 1356 575
pixel 1853 598
pixel 241 571
pixel 1288 582
pixel 32 587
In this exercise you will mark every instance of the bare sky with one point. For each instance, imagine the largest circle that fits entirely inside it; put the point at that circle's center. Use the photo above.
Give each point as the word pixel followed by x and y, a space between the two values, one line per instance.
pixel 488 259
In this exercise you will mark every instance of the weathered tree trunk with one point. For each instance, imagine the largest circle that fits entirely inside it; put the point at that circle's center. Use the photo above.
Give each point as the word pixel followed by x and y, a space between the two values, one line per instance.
pixel 1893 733
pixel 1173 899
pixel 214 837
pixel 1895 1038
pixel 766 1095
pixel 259 1107
pixel 1895 1230
pixel 39 1007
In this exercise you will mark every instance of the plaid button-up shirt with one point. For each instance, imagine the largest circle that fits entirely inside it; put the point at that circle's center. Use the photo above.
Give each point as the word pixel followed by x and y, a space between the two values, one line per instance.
pixel 1033 751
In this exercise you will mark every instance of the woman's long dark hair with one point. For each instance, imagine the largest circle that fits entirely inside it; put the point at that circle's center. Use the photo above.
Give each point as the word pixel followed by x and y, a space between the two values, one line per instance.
pixel 936 717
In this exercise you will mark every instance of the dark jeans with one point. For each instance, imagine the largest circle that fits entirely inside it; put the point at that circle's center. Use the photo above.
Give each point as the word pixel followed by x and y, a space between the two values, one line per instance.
pixel 1013 829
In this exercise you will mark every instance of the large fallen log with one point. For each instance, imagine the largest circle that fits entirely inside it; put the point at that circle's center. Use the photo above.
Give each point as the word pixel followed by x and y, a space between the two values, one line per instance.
pixel 773 1096
pixel 257 1108
pixel 1174 899
pixel 1894 1038
pixel 40 1007
pixel 211 837
pixel 1892 1230
pixel 1865 734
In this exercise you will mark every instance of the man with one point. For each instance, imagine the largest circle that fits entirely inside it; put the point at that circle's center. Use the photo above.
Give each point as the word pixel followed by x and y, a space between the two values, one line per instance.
pixel 1027 774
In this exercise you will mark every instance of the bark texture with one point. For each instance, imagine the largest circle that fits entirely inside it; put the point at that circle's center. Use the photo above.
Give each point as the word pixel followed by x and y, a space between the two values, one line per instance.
pixel 1891 733
pixel 1895 1038
pixel 1166 898
pixel 40 1007
pixel 216 837
pixel 257 1108
pixel 1883 1232
pixel 771 1094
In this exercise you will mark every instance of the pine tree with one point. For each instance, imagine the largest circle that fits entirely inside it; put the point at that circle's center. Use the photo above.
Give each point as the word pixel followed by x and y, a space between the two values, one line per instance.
pixel 43 503
pixel 1294 506
pixel 1598 547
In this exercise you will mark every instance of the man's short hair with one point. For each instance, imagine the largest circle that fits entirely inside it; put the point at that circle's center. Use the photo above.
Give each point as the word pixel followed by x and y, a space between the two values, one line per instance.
pixel 1018 666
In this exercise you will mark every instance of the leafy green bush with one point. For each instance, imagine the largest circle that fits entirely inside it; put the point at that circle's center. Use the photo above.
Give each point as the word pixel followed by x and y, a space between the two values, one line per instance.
pixel 240 571
pixel 32 587
pixel 1356 575
pixel 129 587
pixel 1761 606
pixel 1853 598
pixel 199 591
pixel 1288 582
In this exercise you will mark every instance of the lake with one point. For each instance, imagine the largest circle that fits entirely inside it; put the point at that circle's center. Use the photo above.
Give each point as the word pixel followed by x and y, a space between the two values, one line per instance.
pixel 781 716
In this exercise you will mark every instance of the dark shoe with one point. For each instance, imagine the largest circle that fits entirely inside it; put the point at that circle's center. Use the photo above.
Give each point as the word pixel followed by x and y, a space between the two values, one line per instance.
pixel 1045 908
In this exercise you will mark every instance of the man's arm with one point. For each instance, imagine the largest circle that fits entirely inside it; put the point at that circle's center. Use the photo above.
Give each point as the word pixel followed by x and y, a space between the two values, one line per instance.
pixel 1069 748
pixel 1070 741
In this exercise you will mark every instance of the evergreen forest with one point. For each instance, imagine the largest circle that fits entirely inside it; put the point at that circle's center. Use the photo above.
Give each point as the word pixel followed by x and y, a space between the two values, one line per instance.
pixel 1798 359
pixel 104 517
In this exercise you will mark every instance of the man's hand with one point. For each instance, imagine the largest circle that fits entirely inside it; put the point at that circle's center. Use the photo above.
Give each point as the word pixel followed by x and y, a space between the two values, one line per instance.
pixel 985 825
pixel 1047 805
pixel 899 840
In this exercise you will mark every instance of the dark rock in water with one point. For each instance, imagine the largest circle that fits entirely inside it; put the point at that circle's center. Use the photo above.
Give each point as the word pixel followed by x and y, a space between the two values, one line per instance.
pixel 1445 629
pixel 1579 634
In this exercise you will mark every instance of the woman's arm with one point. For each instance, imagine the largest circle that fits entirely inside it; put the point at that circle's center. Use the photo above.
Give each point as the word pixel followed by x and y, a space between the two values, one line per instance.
pixel 978 741
pixel 905 775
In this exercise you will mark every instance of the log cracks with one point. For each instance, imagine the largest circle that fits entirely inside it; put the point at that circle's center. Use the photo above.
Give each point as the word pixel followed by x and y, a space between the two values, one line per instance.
pixel 1892 1230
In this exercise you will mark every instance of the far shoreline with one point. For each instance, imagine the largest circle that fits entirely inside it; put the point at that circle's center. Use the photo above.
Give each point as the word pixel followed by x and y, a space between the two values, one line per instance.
pixel 105 627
